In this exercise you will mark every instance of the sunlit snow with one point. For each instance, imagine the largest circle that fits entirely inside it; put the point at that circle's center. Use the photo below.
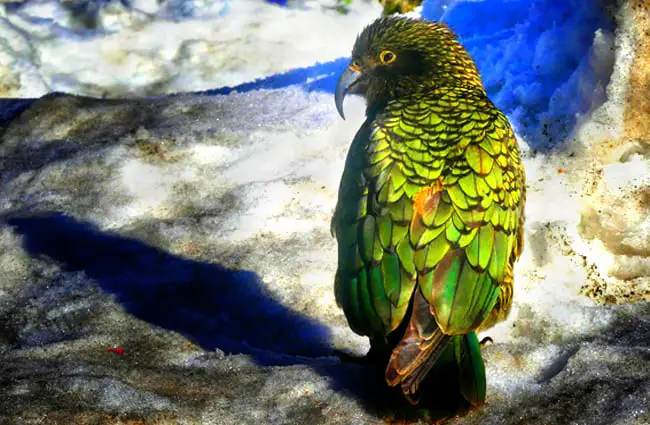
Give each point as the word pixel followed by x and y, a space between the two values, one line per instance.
pixel 152 49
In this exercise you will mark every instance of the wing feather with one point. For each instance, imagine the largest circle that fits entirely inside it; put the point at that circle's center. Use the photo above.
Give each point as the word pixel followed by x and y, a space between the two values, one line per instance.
pixel 431 196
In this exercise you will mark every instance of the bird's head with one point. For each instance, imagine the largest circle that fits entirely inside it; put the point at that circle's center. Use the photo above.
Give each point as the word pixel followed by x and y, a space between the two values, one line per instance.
pixel 397 56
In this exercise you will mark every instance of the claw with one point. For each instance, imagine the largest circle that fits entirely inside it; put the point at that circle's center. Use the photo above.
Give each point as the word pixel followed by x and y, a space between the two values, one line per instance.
pixel 486 341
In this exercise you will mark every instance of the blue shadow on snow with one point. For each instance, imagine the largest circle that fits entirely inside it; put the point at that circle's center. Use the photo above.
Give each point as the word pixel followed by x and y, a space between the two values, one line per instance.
pixel 211 305
pixel 536 59
pixel 319 77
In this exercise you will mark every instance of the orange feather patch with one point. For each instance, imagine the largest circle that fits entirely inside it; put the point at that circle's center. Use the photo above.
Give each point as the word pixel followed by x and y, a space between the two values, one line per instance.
pixel 426 200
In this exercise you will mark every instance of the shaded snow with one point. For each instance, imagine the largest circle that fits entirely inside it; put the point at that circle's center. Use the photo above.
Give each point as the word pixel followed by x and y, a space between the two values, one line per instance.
pixel 543 62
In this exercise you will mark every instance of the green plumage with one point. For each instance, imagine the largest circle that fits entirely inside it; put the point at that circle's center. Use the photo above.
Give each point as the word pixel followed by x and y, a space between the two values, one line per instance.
pixel 430 211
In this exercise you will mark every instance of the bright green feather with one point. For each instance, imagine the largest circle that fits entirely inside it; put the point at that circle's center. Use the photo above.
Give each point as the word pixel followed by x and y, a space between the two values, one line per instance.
pixel 467 353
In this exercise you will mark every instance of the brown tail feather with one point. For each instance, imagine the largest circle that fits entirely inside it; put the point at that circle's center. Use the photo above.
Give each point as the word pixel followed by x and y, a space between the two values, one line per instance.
pixel 417 352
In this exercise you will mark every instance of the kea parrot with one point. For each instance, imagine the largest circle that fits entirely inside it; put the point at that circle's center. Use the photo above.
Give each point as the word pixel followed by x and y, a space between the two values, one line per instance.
pixel 430 213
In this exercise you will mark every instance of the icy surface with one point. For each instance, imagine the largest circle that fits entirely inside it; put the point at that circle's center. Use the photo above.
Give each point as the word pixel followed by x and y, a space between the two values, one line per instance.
pixel 193 232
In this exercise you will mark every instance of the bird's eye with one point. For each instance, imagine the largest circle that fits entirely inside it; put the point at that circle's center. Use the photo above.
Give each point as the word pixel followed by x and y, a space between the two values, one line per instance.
pixel 386 57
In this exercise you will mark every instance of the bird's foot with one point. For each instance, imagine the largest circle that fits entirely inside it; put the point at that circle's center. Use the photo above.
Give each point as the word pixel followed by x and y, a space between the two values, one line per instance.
pixel 486 342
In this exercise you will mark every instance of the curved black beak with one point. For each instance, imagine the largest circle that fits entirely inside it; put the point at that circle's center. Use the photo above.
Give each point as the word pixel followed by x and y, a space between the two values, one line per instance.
pixel 349 78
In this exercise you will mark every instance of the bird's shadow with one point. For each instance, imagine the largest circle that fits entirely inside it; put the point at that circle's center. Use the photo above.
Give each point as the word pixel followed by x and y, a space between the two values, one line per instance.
pixel 211 305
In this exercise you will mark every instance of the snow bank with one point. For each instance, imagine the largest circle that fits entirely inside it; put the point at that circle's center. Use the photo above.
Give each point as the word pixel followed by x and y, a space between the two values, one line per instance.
pixel 543 62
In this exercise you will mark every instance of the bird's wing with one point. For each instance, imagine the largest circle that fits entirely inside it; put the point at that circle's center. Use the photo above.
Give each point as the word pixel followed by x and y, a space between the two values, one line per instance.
pixel 464 232
pixel 374 282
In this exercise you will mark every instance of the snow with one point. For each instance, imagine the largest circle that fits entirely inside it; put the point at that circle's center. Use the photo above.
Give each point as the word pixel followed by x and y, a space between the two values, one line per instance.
pixel 193 230
pixel 150 49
